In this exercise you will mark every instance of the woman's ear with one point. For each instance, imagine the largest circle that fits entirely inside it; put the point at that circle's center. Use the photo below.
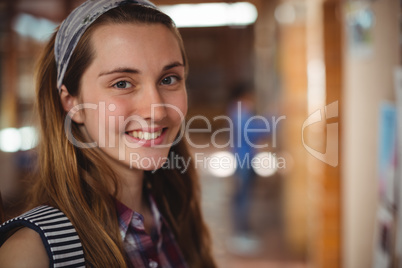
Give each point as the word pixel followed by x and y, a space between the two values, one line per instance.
pixel 70 105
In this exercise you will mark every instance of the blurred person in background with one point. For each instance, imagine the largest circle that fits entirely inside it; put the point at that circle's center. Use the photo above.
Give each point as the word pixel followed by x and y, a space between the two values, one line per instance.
pixel 242 114
pixel 102 197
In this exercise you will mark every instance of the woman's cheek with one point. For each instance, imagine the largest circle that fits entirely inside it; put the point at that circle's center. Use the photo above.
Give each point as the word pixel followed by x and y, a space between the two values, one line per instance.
pixel 180 104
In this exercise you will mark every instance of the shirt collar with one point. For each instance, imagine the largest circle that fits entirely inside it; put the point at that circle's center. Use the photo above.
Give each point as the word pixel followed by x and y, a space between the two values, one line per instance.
pixel 124 215
pixel 127 215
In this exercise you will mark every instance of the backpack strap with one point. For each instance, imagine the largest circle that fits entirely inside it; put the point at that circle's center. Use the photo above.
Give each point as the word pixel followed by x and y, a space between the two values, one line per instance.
pixel 58 235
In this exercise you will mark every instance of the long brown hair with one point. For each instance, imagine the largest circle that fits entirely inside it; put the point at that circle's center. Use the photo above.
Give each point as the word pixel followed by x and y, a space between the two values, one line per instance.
pixel 77 181
pixel 2 216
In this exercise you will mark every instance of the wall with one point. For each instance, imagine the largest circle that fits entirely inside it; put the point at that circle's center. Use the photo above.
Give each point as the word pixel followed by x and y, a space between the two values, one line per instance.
pixel 367 81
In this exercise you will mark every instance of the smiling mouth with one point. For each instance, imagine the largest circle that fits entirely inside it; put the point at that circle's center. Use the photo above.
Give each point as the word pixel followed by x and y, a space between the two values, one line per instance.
pixel 143 135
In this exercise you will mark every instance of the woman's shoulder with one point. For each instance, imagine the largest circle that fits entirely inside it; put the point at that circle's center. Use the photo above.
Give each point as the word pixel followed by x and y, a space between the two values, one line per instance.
pixel 24 249
pixel 46 233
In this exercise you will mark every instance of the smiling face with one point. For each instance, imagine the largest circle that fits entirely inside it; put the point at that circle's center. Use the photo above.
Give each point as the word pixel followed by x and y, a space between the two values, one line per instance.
pixel 135 92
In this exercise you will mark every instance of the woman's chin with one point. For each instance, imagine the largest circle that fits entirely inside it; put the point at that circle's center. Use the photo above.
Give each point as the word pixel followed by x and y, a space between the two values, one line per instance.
pixel 149 165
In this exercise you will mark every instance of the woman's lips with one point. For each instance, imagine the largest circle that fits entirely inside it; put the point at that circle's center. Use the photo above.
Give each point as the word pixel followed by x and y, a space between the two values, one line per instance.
pixel 147 137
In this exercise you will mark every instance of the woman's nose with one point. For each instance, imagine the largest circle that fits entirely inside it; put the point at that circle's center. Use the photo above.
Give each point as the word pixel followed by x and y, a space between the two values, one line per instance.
pixel 152 104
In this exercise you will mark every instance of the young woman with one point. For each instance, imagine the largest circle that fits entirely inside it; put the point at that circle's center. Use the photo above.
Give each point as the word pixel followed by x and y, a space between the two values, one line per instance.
pixel 111 98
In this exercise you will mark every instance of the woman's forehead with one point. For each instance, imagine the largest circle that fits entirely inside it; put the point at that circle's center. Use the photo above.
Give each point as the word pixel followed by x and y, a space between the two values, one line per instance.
pixel 140 43
pixel 134 35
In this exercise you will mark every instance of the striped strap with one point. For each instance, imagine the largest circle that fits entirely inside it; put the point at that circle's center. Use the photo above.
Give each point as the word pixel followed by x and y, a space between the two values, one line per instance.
pixel 58 235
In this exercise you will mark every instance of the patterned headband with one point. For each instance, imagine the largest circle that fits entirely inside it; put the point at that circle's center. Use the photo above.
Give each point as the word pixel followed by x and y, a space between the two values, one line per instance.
pixel 75 25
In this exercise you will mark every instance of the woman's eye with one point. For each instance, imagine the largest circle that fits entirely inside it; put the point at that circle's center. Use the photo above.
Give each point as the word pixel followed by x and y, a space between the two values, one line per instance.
pixel 169 80
pixel 122 84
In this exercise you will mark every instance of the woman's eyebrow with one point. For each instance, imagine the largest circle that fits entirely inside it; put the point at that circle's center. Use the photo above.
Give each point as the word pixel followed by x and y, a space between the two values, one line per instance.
pixel 173 65
pixel 135 71
pixel 120 70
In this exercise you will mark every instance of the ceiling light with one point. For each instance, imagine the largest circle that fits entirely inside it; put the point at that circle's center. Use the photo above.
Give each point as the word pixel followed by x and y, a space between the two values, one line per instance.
pixel 212 14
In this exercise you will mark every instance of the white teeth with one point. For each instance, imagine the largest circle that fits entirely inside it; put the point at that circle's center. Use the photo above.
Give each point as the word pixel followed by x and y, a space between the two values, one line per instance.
pixel 145 135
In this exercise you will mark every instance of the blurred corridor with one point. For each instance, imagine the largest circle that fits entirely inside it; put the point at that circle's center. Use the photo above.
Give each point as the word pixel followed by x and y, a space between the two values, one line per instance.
pixel 266 220
pixel 323 76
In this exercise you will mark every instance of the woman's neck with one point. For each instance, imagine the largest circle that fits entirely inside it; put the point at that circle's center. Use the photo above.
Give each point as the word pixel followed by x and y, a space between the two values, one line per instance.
pixel 131 195
pixel 130 192
pixel 131 189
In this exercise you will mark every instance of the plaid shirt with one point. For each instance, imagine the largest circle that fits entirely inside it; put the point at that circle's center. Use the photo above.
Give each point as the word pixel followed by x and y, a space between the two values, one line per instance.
pixel 159 249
